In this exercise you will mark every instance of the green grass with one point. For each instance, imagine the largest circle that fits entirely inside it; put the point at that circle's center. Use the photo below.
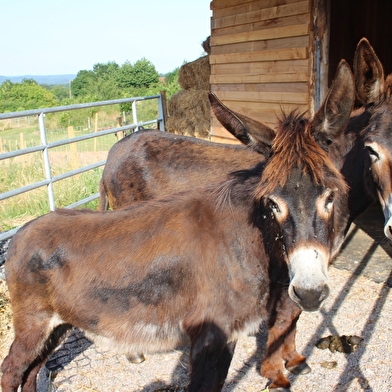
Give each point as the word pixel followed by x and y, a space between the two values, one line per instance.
pixel 18 210
pixel 11 139
pixel 28 169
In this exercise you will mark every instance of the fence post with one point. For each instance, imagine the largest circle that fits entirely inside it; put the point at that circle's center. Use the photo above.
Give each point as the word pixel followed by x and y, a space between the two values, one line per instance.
pixel 162 111
pixel 73 148
pixel 45 154
pixel 134 115
pixel 22 142
pixel 119 134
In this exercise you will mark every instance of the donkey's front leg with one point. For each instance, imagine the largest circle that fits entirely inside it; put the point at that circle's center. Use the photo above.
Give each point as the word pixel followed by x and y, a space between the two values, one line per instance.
pixel 281 346
pixel 294 361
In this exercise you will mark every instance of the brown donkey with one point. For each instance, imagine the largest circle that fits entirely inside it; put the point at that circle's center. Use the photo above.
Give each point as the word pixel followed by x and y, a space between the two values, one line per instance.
pixel 202 266
pixel 151 164
pixel 175 162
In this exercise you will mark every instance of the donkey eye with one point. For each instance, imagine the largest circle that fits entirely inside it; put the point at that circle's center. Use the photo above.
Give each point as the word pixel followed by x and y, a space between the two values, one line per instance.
pixel 329 200
pixel 274 207
pixel 374 157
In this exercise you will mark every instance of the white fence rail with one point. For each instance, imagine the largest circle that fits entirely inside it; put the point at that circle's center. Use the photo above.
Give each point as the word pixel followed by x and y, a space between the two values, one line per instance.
pixel 45 146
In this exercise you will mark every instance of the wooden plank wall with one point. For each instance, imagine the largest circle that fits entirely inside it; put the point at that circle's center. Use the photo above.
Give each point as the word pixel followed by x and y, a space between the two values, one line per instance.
pixel 259 58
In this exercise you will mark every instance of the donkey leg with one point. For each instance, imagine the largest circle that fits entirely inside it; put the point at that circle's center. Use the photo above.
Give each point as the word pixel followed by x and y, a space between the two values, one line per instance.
pixel 272 365
pixel 281 341
pixel 281 345
pixel 30 379
pixel 27 354
pixel 18 361
pixel 294 361
pixel 211 355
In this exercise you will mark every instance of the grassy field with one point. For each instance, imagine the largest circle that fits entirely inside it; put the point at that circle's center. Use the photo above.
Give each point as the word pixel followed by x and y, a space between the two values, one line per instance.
pixel 29 136
pixel 27 169
pixel 18 210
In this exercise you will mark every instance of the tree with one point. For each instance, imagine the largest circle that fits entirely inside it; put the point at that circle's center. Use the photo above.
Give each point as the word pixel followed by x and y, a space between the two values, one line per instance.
pixel 144 74
pixel 171 85
pixel 106 71
pixel 60 91
pixel 124 76
pixel 83 83
pixel 24 96
pixel 172 76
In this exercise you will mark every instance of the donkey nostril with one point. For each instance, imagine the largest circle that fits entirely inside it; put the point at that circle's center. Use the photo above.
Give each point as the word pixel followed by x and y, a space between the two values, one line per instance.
pixel 297 294
pixel 310 299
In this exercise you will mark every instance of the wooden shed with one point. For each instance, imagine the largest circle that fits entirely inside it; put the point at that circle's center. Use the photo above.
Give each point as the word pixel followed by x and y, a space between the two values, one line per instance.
pixel 269 55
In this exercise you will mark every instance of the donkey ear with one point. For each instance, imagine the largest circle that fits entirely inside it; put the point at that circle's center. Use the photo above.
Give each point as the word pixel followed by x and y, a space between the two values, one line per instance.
pixel 331 119
pixel 250 132
pixel 368 73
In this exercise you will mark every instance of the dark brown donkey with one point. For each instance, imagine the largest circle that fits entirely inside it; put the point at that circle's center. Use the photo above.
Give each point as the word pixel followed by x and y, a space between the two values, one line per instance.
pixel 202 265
pixel 152 164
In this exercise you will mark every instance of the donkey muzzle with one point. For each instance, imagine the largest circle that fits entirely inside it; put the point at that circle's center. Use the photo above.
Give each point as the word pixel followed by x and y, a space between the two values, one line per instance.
pixel 308 277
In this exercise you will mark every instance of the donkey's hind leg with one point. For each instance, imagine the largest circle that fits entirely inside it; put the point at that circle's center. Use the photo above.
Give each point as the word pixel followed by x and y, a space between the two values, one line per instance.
pixel 30 379
pixel 29 351
pixel 211 355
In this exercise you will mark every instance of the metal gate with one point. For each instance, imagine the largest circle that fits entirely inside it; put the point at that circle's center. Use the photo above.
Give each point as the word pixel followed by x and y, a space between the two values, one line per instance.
pixel 45 146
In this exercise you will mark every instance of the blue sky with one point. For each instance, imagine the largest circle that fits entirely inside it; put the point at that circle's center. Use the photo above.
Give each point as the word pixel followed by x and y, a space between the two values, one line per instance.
pixel 50 37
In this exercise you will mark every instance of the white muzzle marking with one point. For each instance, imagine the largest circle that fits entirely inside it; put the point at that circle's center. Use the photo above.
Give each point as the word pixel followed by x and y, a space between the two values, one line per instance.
pixel 308 268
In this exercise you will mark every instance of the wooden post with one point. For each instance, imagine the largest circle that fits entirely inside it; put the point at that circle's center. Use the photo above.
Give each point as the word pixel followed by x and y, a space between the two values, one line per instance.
pixel 22 142
pixel 73 148
pixel 119 134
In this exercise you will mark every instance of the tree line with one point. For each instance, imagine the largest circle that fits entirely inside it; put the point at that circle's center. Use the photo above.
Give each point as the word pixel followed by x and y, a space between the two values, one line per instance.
pixel 105 81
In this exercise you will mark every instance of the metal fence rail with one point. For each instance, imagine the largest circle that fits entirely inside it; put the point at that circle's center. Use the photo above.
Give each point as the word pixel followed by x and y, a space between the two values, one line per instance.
pixel 45 146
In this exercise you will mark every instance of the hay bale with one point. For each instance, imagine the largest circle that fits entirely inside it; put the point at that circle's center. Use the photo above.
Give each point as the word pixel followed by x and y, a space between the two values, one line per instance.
pixel 189 113
pixel 195 75
pixel 207 45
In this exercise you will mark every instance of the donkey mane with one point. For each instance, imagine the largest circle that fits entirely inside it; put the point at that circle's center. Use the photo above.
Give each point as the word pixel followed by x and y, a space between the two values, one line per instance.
pixel 294 146
pixel 232 191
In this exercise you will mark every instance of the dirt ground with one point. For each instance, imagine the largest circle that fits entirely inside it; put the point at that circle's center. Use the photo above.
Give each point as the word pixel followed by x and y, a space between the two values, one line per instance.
pixel 360 304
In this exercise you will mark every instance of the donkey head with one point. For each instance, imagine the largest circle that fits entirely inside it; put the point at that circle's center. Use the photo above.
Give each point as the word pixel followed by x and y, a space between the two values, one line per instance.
pixel 300 190
pixel 374 91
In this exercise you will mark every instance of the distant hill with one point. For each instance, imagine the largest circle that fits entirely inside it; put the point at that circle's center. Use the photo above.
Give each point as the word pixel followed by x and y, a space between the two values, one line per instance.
pixel 40 79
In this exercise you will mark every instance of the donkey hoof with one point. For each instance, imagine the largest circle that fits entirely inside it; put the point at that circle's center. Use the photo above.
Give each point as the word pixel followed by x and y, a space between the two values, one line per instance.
pixel 278 389
pixel 136 358
pixel 302 368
